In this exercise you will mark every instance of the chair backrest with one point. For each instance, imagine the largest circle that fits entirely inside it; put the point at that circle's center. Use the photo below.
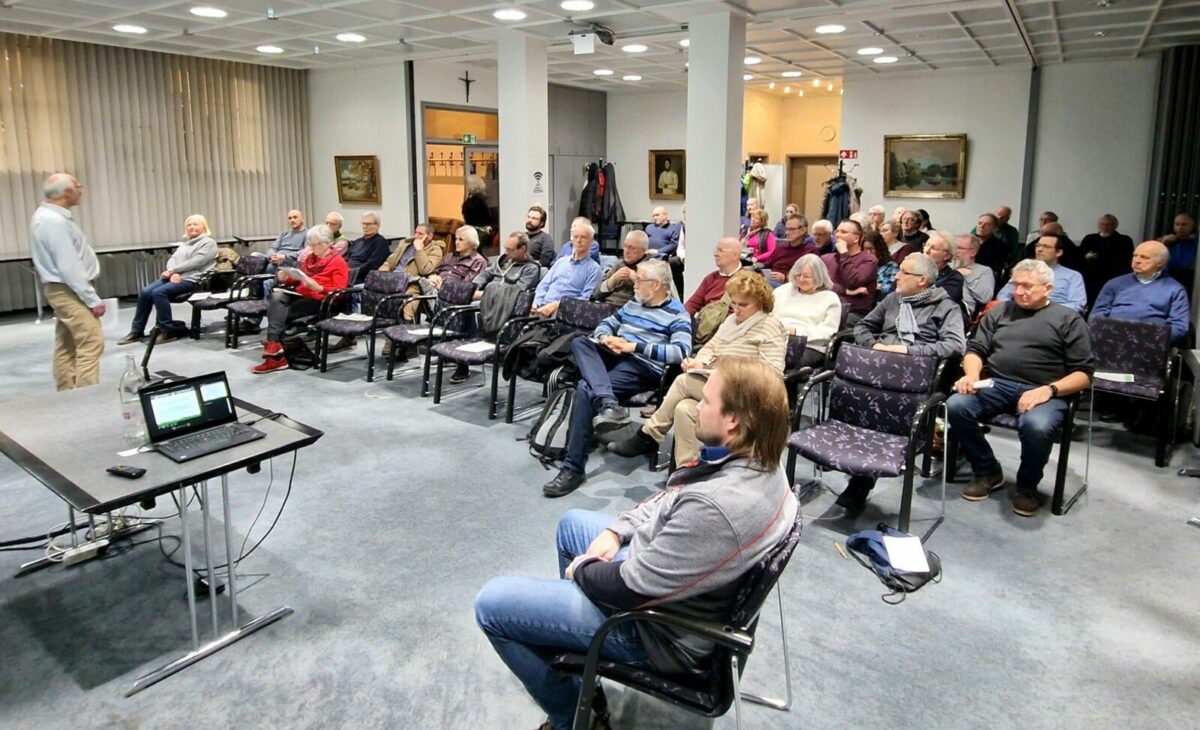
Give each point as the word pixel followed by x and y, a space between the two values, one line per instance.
pixel 380 284
pixel 523 303
pixel 1129 346
pixel 582 314
pixel 252 265
pixel 878 390
pixel 455 292
pixel 796 345
pixel 756 585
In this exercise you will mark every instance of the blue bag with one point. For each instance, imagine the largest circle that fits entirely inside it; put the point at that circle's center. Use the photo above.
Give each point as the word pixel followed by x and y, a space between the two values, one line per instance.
pixel 867 548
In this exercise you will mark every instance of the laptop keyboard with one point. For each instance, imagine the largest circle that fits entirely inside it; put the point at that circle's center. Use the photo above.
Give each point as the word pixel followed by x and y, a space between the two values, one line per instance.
pixel 202 438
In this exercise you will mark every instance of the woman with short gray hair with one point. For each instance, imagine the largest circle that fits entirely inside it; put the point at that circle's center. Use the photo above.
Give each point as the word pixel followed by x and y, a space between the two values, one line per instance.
pixel 194 258
pixel 806 305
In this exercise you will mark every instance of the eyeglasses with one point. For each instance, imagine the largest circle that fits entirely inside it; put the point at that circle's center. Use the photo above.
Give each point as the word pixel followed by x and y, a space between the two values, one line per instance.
pixel 793 228
pixel 907 273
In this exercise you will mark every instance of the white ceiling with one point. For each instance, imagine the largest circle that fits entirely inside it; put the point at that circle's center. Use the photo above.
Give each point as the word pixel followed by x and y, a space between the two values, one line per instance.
pixel 922 34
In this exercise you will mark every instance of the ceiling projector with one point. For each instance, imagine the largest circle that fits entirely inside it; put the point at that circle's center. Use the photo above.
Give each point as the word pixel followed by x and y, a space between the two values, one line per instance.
pixel 584 41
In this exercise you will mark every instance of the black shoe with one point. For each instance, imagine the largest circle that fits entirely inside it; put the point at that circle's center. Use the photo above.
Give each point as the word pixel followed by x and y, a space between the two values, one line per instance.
pixel 611 417
pixel 246 327
pixel 639 444
pixel 169 336
pixel 853 499
pixel 460 376
pixel 563 484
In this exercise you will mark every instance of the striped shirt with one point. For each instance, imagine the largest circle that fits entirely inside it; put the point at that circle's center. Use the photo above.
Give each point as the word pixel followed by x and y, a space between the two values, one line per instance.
pixel 662 334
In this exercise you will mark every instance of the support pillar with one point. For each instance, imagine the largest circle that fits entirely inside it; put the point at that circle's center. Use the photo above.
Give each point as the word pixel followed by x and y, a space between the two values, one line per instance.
pixel 714 137
pixel 524 129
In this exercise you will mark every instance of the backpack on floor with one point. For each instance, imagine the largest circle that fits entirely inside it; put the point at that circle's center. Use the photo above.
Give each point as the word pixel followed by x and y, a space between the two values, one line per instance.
pixel 868 549
pixel 299 355
pixel 548 436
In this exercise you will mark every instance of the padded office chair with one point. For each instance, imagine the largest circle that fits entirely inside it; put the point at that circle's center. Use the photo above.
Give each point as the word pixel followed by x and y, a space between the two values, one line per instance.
pixel 380 301
pixel 447 321
pixel 222 282
pixel 453 351
pixel 714 691
pixel 879 417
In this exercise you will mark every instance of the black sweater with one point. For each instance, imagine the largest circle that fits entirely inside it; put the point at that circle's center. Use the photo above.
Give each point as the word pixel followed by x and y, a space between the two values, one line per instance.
pixel 1037 346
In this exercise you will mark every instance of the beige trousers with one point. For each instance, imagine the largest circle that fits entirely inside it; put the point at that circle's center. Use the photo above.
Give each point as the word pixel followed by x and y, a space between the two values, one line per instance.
pixel 78 339
pixel 680 407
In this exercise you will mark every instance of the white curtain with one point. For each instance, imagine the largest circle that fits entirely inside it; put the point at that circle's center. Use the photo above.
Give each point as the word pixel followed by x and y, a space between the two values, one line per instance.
pixel 153 137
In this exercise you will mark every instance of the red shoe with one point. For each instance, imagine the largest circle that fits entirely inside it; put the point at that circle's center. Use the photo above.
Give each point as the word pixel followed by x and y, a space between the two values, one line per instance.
pixel 270 365
pixel 273 349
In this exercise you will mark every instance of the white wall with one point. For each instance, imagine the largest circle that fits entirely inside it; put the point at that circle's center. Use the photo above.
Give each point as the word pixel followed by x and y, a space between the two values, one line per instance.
pixel 1095 128
pixel 638 123
pixel 989 106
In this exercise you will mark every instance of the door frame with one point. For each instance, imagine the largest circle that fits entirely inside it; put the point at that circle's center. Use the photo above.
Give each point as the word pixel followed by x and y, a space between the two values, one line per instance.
pixel 804 159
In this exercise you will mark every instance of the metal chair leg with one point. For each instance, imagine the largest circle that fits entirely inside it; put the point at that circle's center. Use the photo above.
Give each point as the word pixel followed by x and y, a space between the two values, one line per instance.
pixel 775 704
pixel 737 690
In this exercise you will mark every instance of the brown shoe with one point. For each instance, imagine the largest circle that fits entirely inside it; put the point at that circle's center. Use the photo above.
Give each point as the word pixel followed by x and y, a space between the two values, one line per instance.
pixel 981 487
pixel 343 344
pixel 130 338
pixel 1026 502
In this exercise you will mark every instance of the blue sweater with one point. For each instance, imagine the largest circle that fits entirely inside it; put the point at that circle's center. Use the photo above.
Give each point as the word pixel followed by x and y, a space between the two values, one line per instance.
pixel 663 334
pixel 1162 300
pixel 664 239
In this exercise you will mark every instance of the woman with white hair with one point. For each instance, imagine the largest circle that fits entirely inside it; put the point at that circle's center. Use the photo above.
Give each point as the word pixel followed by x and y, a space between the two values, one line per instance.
pixel 196 256
pixel 299 293
pixel 808 306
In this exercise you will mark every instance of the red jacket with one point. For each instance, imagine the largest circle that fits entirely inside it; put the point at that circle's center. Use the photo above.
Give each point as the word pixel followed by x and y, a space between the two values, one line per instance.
pixel 331 272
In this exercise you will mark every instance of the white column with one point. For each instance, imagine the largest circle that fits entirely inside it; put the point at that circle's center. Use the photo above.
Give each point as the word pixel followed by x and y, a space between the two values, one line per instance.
pixel 714 136
pixel 524 129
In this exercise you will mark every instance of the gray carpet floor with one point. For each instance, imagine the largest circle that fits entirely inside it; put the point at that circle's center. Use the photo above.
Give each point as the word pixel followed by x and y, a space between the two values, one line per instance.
pixel 404 509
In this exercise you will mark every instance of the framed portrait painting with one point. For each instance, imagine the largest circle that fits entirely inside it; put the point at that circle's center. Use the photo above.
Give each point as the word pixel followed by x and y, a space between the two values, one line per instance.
pixel 668 174
pixel 925 166
pixel 357 179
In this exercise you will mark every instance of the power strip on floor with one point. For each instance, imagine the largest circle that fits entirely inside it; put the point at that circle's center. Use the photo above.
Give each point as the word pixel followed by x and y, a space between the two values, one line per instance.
pixel 83 552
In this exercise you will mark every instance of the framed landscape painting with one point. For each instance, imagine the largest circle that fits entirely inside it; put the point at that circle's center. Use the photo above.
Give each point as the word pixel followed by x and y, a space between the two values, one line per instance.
pixel 925 166
pixel 357 179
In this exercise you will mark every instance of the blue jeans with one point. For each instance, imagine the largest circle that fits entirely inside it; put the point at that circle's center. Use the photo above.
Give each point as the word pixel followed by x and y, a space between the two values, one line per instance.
pixel 1038 429
pixel 531 620
pixel 157 294
pixel 604 375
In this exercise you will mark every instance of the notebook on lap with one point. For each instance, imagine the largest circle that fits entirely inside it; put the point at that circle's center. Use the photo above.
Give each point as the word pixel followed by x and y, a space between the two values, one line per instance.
pixel 189 418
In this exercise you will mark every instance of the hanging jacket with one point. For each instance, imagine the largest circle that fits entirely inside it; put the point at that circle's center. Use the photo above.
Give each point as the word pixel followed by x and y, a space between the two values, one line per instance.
pixel 836 205
pixel 587 197
pixel 611 212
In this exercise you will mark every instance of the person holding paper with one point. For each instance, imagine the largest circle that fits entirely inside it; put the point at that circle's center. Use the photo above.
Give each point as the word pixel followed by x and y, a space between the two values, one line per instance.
pixel 196 256
pixel 750 331
pixel 324 270
pixel 1035 353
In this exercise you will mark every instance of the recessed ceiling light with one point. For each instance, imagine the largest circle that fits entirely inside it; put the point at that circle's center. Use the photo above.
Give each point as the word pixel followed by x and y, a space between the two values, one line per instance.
pixel 603 72
pixel 631 77
pixel 831 28
pixel 508 14
pixel 816 83
pixel 685 42
pixel 137 29
pixel 791 74
pixel 633 48
pixel 577 6
pixel 870 51
pixel 204 11
pixel 351 37
pixel 771 85
pixel 269 49
pixel 752 60
pixel 884 59
pixel 747 77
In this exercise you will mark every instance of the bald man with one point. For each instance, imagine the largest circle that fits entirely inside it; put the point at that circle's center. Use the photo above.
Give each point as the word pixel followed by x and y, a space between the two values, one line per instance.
pixel 290 243
pixel 67 266
pixel 727 256
pixel 1146 295
pixel 663 234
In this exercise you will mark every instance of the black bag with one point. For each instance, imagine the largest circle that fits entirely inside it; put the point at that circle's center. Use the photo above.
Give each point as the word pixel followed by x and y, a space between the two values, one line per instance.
pixel 869 543
pixel 299 355
pixel 548 435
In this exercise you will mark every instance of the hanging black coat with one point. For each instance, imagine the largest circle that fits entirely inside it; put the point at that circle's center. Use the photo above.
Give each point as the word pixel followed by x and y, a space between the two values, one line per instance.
pixel 836 205
pixel 587 197
pixel 611 212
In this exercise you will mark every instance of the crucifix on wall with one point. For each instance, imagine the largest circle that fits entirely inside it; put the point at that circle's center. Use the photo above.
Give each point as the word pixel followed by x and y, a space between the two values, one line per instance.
pixel 467 81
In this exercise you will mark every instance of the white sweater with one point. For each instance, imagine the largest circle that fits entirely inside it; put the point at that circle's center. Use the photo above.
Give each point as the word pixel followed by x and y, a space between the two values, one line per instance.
pixel 815 315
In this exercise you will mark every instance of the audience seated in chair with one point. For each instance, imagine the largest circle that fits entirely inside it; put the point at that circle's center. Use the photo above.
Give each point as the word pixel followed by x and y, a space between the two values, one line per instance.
pixel 1069 289
pixel 305 287
pixel 792 245
pixel 196 256
pixel 685 548
pixel 979 281
pixel 662 235
pixel 626 355
pixel 940 249
pixel 807 306
pixel 918 318
pixel 727 256
pixel 616 287
pixel 541 246
pixel 1071 256
pixel 1147 294
pixel 759 241
pixel 821 237
pixel 750 331
pixel 1106 255
pixel 993 251
pixel 366 254
pixel 780 229
pixel 335 221
pixel 1181 242
pixel 1036 353
pixel 885 274
pixel 418 256
pixel 571 277
pixel 285 251
pixel 854 271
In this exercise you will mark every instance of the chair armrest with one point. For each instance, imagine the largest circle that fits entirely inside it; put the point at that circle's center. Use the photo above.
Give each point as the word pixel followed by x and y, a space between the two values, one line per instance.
pixel 446 313
pixel 812 383
pixel 242 283
pixel 329 298
pixel 798 375
pixel 510 329
pixel 919 416
pixel 717 632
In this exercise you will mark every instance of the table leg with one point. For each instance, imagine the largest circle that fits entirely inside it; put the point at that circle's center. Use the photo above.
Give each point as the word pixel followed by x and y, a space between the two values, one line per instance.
pixel 187 566
pixel 208 559
pixel 229 557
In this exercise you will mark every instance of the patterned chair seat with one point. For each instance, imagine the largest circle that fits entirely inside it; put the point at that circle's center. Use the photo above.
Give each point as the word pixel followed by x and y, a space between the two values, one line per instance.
pixel 698 694
pixel 842 447
pixel 414 334
pixel 452 351
pixel 209 303
pixel 248 307
pixel 1149 387
pixel 350 327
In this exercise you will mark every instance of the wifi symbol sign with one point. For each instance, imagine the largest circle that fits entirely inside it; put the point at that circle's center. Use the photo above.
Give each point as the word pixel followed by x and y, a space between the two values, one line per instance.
pixel 537 182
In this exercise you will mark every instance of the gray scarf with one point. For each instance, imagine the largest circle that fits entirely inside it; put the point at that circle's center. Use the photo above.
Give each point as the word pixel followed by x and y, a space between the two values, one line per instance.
pixel 906 321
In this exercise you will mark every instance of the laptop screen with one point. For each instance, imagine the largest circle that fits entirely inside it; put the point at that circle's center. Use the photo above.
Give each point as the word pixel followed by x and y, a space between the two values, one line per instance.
pixel 183 406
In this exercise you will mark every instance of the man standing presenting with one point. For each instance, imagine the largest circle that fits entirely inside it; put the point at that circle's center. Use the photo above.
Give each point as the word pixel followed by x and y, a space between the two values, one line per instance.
pixel 67 265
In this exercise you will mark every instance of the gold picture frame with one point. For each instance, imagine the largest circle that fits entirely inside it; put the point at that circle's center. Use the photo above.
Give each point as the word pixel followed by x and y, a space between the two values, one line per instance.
pixel 924 165
pixel 357 179
pixel 668 174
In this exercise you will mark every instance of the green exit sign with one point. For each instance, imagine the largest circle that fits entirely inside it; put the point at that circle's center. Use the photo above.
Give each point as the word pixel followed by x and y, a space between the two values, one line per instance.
pixel 468 139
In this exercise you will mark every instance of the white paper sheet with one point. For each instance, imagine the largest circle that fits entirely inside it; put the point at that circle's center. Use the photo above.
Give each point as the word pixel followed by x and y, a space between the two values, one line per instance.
pixel 906 553
pixel 477 347
pixel 355 317
pixel 1115 377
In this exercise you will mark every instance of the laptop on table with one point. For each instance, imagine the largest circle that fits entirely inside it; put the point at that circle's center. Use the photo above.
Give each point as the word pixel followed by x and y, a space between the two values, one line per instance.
pixel 193 417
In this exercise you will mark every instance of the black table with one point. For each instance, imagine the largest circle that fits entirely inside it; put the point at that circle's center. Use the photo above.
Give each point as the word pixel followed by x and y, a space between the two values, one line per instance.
pixel 67 439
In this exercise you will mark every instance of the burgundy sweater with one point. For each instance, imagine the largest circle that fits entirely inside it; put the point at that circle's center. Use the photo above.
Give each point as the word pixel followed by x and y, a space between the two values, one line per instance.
pixel 851 272
pixel 712 288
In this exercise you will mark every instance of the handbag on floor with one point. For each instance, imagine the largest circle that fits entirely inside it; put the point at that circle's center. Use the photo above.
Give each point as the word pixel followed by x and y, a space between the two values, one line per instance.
pixel 868 549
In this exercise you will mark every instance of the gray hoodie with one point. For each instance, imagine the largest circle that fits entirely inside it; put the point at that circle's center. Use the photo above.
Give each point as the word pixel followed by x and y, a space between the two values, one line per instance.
pixel 939 325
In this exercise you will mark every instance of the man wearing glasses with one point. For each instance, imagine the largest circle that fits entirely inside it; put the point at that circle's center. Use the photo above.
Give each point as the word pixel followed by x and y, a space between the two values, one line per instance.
pixel 625 355
pixel 779 263
pixel 1069 289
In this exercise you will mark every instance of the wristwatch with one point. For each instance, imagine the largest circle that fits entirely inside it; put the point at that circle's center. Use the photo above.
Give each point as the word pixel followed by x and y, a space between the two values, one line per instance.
pixel 1053 390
